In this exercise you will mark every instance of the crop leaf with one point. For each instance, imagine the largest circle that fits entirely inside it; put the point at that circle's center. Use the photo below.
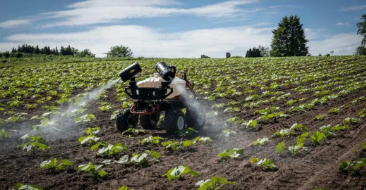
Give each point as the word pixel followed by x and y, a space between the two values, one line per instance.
pixel 282 133
pixel 339 128
pixel 265 163
pixel 214 183
pixel 280 146
pixel 187 132
pixel 21 186
pixel 231 153
pixel 93 169
pixel 228 132
pixel 134 132
pixel 177 172
pixel 52 164
pixel 317 137
pixel 301 138
pixel 90 139
pixel 111 150
pixel 363 145
pixel 152 140
pixel 261 141
pixel 3 134
pixel 156 155
pixel 298 127
pixel 351 120
pixel 92 130
pixel 124 188
pixel 35 142
pixel 202 139
pixel 139 159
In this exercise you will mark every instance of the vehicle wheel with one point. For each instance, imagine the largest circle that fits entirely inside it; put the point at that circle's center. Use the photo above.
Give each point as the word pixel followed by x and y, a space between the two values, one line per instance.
pixel 150 121
pixel 195 118
pixel 174 121
pixel 125 120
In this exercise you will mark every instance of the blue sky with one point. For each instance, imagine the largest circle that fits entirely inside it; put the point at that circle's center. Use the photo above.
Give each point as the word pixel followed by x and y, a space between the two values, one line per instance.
pixel 173 28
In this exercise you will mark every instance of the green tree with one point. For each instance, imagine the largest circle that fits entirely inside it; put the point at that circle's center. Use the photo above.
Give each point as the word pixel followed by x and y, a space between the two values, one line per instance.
pixel 361 50
pixel 86 53
pixel 119 51
pixel 264 51
pixel 255 52
pixel 362 29
pixel 289 38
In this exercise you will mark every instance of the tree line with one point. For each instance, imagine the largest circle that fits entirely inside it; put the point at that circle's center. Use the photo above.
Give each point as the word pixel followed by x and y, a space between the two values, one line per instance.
pixel 46 50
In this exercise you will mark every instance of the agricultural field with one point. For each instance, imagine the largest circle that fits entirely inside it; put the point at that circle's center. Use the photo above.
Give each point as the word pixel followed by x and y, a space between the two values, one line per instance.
pixel 272 123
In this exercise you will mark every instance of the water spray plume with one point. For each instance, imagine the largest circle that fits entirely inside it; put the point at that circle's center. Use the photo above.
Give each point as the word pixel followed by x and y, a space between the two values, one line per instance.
pixel 59 125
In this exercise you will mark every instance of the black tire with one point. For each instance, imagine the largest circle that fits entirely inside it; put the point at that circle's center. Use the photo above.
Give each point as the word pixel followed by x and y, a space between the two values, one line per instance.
pixel 150 121
pixel 174 121
pixel 195 118
pixel 125 120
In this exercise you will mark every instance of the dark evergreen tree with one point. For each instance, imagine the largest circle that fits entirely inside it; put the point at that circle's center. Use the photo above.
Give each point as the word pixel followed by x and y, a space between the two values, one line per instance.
pixel 289 38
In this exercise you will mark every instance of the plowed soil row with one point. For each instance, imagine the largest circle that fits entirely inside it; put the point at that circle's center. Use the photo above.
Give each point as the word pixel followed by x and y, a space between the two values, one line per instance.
pixel 318 167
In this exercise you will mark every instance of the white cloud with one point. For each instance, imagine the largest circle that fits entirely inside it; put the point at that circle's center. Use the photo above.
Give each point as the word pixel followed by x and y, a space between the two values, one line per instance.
pixel 341 44
pixel 343 24
pixel 101 11
pixel 354 8
pixel 149 42
pixel 14 23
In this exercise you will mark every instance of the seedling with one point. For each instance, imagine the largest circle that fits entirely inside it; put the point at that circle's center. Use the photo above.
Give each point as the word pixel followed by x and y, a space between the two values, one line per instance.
pixel 152 140
pixel 317 137
pixel 351 121
pixel 282 133
pixel 327 130
pixel 261 141
pixel 139 159
pixel 134 131
pixel 92 131
pixel 320 116
pixel 90 139
pixel 34 143
pixel 265 163
pixel 231 153
pixel 214 183
pixel 299 145
pixel 105 108
pixel 21 186
pixel 232 109
pixel 175 146
pixel 124 188
pixel 291 102
pixel 85 118
pixel 352 166
pixel 280 146
pixel 53 166
pixel 202 139
pixel 251 125
pixel 177 172
pixel 298 128
pixel 334 110
pixel 94 170
pixel 228 132
pixel 3 134
pixel 108 150
pixel 123 160
pixel 187 132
